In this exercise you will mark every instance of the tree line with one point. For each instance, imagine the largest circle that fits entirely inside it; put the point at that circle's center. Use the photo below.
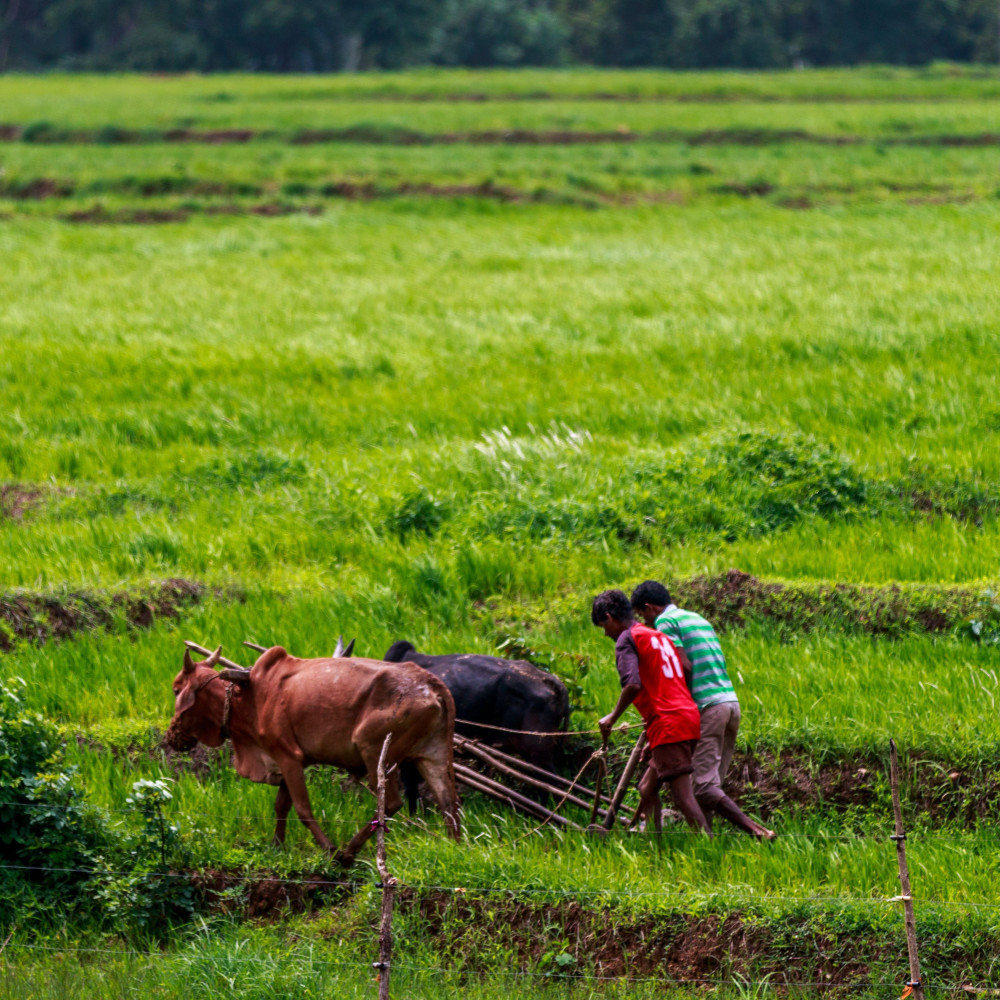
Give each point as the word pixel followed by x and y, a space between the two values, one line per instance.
pixel 327 35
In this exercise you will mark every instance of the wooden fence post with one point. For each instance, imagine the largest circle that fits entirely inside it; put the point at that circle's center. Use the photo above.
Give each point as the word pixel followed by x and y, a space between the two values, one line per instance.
pixel 387 881
pixel 915 985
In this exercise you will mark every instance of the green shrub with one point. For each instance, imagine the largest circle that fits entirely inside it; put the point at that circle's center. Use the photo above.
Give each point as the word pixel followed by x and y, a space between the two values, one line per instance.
pixel 738 485
pixel 52 841
pixel 45 826
pixel 146 896
pixel 40 132
pixel 249 472
pixel 418 512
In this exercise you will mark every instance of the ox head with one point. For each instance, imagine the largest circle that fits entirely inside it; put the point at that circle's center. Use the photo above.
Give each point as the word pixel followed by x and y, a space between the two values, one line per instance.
pixel 198 702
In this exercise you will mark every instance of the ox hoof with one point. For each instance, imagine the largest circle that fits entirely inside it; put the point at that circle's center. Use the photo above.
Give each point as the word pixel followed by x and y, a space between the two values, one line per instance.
pixel 342 858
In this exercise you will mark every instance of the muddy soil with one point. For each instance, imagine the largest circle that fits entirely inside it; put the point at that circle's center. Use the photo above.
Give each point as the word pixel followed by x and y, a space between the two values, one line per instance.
pixel 16 499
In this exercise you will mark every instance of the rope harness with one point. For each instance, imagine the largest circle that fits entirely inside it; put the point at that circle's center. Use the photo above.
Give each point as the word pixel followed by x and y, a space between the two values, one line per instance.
pixel 621 728
pixel 227 709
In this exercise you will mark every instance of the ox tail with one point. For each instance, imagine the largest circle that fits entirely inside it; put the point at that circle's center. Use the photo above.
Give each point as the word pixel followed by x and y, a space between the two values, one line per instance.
pixel 409 770
pixel 447 703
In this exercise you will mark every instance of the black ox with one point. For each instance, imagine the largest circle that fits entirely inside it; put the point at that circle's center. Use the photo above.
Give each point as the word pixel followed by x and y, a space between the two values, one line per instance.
pixel 509 694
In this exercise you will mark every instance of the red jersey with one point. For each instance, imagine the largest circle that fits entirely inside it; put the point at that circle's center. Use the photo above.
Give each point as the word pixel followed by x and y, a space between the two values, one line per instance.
pixel 664 703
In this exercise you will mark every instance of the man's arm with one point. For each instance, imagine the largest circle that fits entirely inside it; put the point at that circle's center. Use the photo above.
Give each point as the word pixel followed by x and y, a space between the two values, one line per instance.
pixel 627 664
pixel 685 663
pixel 629 693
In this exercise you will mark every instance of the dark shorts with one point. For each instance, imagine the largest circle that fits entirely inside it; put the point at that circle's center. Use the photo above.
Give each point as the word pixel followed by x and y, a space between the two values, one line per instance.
pixel 672 760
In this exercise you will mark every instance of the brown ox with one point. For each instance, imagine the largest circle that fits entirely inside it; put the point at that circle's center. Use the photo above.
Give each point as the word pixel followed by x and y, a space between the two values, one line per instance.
pixel 285 713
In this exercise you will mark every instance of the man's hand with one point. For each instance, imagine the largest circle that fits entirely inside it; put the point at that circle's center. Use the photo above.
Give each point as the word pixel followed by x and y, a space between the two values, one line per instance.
pixel 605 725
pixel 628 695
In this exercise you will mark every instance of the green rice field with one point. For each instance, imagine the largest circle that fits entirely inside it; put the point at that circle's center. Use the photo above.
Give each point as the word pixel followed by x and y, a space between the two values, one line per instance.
pixel 438 356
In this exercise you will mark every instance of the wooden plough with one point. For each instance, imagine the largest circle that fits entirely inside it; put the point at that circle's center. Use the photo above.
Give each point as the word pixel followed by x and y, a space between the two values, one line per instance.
pixel 605 810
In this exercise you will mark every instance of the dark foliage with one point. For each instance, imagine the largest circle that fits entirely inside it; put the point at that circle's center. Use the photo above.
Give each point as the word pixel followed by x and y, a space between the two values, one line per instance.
pixel 310 35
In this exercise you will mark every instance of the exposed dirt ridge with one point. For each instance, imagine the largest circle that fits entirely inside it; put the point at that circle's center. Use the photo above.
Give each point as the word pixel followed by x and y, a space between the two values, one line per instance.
pixel 809 946
pixel 37 189
pixel 17 499
pixel 109 135
pixel 99 215
pixel 734 598
pixel 28 617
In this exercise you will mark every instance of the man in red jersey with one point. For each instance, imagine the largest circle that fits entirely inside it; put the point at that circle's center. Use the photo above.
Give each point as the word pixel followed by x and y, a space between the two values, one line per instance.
pixel 652 679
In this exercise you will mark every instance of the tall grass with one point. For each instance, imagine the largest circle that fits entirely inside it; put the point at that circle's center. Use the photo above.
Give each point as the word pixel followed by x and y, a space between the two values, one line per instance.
pixel 180 447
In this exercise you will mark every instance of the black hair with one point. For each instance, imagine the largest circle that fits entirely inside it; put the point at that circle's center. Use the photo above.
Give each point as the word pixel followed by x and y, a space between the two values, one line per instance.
pixel 650 592
pixel 611 602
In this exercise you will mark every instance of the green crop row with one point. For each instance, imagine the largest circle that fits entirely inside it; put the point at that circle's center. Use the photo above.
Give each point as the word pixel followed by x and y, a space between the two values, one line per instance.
pixel 35 177
pixel 224 101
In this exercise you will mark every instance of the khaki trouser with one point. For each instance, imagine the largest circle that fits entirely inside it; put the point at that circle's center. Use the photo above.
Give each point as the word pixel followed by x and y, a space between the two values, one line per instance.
pixel 714 751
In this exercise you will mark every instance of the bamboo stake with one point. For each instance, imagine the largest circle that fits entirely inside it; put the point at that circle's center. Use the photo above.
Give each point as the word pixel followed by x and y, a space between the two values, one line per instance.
pixel 623 783
pixel 388 882
pixel 904 878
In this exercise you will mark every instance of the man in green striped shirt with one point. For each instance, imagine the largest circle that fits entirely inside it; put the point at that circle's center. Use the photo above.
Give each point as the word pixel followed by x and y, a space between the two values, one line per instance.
pixel 713 693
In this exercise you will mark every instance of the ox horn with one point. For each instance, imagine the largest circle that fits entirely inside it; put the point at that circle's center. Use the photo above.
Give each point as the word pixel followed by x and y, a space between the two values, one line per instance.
pixel 188 662
pixel 339 651
pixel 213 660
pixel 348 649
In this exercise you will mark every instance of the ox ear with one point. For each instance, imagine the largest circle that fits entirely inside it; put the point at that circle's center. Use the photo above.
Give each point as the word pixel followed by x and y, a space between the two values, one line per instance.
pixel 188 662
pixel 348 649
pixel 238 675
pixel 185 699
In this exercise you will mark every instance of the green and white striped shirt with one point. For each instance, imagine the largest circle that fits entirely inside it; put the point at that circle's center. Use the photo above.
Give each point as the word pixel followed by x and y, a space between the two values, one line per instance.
pixel 710 683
